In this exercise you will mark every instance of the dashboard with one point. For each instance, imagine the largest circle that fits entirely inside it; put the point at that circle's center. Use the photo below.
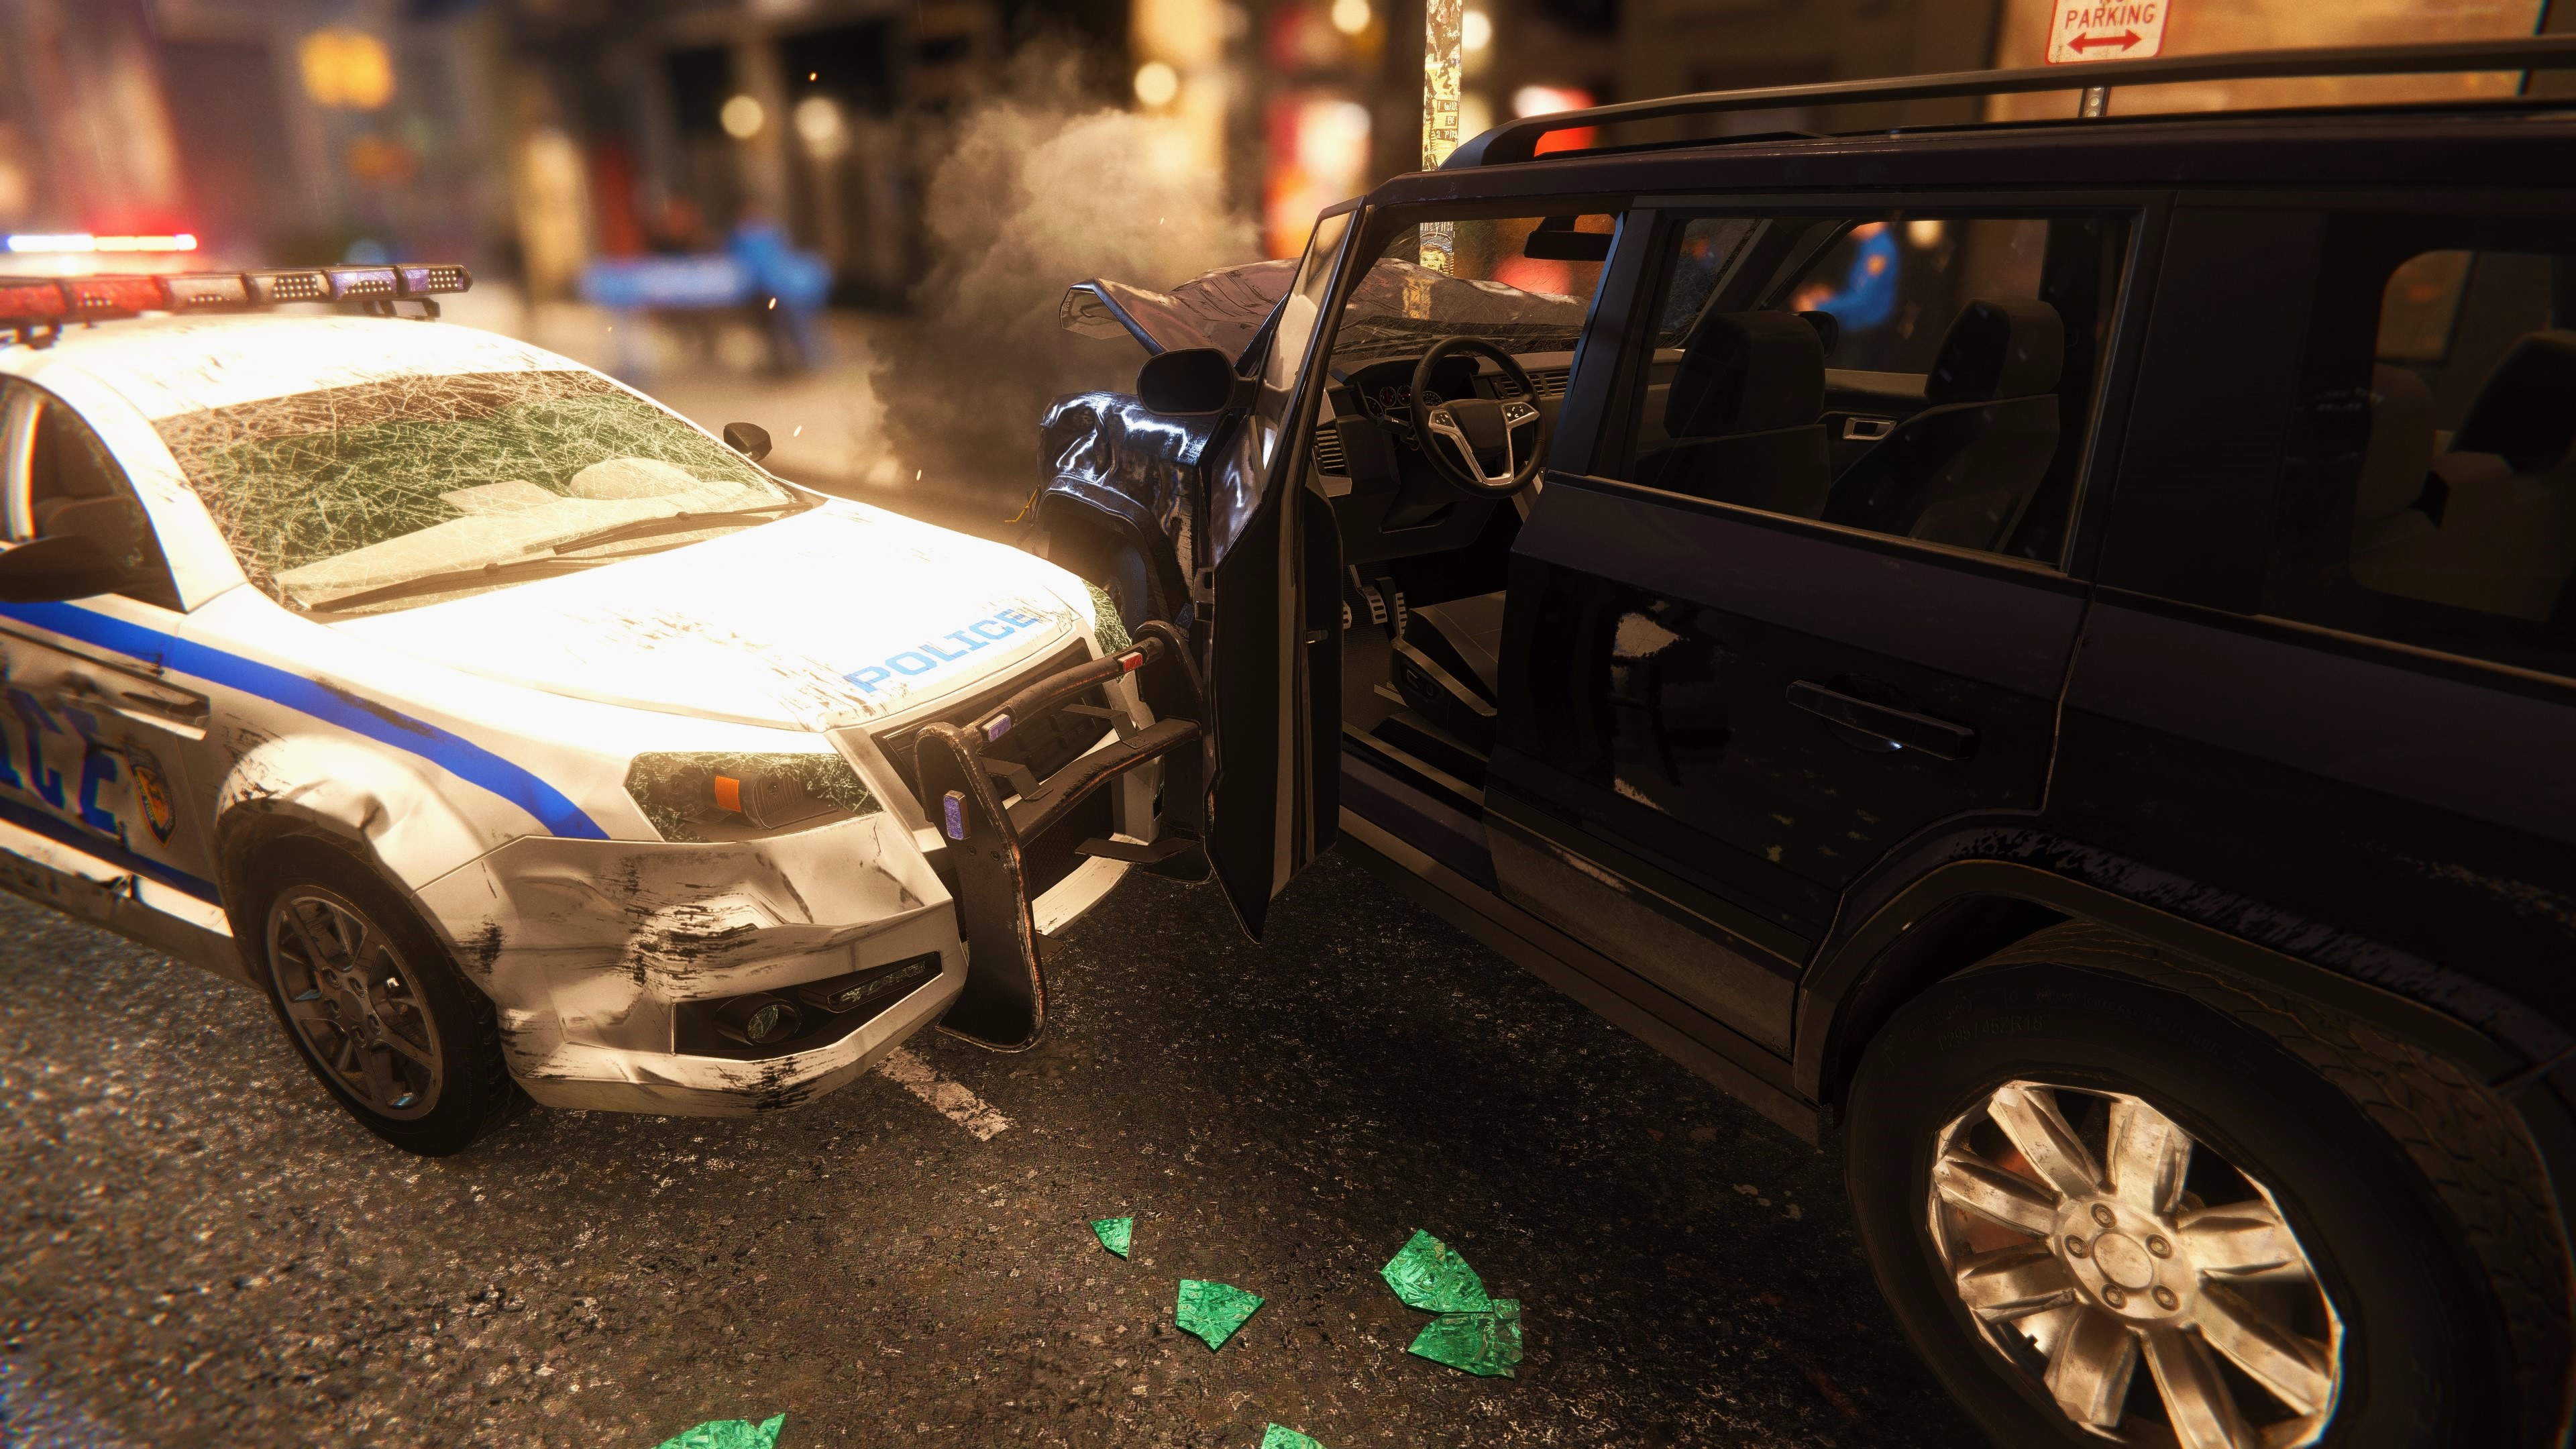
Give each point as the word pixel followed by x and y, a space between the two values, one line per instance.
pixel 1384 390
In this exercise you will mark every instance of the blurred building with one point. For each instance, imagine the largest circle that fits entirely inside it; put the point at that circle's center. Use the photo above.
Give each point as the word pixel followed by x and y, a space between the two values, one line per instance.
pixel 527 135
pixel 531 136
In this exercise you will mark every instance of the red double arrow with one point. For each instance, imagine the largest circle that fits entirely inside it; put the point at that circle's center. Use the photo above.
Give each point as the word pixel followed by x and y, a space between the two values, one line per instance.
pixel 2123 40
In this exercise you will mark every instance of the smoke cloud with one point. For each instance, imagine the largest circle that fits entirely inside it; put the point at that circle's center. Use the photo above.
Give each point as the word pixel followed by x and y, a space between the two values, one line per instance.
pixel 1035 191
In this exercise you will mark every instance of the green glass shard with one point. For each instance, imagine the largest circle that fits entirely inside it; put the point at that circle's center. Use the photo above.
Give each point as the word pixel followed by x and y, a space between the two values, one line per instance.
pixel 1280 1436
pixel 1486 1343
pixel 1114 1233
pixel 1111 630
pixel 727 1434
pixel 1428 1274
pixel 1213 1311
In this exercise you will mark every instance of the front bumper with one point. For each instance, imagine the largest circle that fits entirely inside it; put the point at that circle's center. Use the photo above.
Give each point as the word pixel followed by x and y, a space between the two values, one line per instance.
pixel 595 954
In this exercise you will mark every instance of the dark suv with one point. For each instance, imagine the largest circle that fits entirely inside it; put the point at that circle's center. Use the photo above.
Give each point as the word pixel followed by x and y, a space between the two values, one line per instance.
pixel 2043 654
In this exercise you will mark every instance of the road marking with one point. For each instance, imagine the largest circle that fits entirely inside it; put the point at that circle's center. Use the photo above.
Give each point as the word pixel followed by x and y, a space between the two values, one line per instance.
pixel 949 1099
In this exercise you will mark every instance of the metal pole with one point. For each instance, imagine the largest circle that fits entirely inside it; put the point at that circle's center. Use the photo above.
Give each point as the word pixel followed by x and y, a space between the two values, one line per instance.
pixel 1442 22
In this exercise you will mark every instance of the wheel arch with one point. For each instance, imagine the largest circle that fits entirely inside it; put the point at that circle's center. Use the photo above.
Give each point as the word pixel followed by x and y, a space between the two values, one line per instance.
pixel 384 815
pixel 1957 916
pixel 1068 511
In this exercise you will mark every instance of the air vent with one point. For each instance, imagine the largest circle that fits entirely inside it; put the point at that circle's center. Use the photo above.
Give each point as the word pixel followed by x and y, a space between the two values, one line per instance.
pixel 1550 381
pixel 1328 453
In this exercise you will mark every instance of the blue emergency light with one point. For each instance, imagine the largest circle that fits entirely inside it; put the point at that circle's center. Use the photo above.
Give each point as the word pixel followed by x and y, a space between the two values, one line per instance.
pixel 36 309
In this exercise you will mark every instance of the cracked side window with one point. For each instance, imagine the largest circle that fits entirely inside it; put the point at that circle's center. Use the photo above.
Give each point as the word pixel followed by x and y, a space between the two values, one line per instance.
pixel 407 490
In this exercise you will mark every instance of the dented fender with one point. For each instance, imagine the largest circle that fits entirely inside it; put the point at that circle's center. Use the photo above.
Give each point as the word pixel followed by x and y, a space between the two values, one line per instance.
pixel 378 802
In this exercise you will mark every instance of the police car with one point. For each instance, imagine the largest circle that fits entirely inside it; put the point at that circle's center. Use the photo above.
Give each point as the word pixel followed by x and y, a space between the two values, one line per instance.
pixel 514 734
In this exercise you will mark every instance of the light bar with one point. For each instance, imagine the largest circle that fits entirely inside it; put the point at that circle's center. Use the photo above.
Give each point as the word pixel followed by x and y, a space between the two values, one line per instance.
pixel 35 307
pixel 81 241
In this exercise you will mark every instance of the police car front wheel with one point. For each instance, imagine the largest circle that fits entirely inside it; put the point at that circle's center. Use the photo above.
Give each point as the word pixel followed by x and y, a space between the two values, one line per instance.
pixel 371 1002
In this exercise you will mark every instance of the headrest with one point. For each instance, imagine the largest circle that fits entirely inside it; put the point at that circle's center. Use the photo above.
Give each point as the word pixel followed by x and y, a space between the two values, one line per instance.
pixel 2400 452
pixel 2527 410
pixel 1998 349
pixel 1746 372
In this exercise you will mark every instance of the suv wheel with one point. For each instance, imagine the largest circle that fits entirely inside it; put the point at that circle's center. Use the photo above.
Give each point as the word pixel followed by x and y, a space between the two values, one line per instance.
pixel 373 1004
pixel 2172 1210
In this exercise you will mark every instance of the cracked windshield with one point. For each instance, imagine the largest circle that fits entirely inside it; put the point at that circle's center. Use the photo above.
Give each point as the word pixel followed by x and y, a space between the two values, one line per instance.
pixel 397 493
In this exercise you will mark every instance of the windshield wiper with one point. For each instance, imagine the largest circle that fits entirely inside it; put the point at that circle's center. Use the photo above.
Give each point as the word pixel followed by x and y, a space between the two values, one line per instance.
pixel 669 523
pixel 543 566
pixel 454 579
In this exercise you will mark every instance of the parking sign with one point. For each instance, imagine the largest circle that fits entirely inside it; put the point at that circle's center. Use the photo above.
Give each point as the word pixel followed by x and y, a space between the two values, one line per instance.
pixel 2117 30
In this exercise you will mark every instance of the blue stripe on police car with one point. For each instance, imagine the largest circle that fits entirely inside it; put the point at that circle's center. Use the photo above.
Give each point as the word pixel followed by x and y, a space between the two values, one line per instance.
pixel 928 657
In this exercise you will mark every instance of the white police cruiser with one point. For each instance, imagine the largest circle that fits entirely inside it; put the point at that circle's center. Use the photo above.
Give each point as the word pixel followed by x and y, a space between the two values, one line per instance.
pixel 506 728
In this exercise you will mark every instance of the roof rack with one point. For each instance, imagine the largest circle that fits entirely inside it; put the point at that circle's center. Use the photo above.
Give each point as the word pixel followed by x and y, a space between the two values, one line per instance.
pixel 35 309
pixel 1518 140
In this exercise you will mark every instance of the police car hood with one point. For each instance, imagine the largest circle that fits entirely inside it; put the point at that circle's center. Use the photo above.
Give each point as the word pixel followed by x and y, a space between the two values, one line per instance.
pixel 836 617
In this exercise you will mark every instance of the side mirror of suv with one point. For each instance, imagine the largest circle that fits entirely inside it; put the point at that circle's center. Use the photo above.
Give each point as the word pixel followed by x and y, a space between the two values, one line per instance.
pixel 50 570
pixel 1189 382
pixel 749 439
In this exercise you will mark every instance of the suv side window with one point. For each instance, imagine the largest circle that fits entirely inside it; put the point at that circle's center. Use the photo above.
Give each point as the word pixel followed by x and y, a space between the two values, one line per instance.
pixel 2429 492
pixel 1925 374
pixel 61 480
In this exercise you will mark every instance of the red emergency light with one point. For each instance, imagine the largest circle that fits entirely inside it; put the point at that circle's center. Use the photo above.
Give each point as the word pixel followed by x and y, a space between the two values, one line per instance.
pixel 35 309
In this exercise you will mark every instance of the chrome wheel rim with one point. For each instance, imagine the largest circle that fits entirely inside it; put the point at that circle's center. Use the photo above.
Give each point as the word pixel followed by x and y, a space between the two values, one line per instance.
pixel 2086 1233
pixel 355 1002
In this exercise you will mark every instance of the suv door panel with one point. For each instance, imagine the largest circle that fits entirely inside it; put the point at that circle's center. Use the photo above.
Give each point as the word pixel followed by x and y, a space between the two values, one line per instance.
pixel 1675 635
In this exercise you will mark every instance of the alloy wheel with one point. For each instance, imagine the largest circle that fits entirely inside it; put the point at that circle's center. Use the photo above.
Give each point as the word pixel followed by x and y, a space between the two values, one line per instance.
pixel 354 1001
pixel 2086 1232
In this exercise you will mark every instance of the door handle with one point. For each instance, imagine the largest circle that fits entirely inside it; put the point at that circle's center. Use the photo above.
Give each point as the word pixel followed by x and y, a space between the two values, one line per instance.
pixel 1938 738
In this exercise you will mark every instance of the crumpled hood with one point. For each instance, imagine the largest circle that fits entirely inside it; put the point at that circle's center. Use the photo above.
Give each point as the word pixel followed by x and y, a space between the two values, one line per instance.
pixel 828 619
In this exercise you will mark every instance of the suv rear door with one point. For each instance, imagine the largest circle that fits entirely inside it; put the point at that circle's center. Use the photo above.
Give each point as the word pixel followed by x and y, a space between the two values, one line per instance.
pixel 1268 558
pixel 1740 670
pixel 2330 682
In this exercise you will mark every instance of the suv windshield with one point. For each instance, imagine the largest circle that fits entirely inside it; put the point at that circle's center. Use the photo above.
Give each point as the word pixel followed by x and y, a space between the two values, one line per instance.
pixel 394 493
pixel 1494 291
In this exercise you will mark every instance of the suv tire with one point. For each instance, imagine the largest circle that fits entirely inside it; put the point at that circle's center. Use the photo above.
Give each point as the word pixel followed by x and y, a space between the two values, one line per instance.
pixel 374 1004
pixel 2411 1191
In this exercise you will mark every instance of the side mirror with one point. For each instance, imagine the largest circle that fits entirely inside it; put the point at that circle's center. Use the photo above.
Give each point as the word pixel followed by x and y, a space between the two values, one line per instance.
pixel 749 439
pixel 1187 383
pixel 50 570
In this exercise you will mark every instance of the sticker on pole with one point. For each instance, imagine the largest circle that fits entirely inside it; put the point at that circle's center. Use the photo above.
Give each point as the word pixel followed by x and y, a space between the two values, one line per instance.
pixel 2118 30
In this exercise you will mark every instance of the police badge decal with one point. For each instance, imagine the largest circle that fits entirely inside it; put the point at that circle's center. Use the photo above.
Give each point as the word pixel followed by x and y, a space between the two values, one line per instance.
pixel 151 794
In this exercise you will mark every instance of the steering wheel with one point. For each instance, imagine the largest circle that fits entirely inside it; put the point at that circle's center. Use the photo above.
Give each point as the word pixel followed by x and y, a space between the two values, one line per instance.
pixel 1484 448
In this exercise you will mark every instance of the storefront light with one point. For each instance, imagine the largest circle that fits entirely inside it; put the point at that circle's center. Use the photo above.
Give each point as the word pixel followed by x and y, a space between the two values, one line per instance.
pixel 741 118
pixel 818 123
pixel 1476 31
pixel 1350 17
pixel 1157 83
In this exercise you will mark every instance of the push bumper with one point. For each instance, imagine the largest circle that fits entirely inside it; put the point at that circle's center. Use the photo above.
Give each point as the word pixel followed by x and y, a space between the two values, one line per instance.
pixel 1003 1002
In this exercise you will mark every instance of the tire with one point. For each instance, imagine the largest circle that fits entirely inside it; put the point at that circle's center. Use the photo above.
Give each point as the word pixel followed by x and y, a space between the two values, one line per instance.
pixel 447 1087
pixel 2434 1273
pixel 1120 571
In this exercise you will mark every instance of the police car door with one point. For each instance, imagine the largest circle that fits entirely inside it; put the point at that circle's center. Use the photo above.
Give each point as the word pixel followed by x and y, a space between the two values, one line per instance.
pixel 92 738
pixel 1269 558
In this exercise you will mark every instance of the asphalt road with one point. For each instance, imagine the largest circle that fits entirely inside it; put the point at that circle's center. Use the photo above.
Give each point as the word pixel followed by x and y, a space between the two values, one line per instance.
pixel 196 1248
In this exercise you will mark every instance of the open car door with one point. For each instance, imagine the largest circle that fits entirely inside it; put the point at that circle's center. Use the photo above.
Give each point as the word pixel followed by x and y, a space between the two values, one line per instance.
pixel 1270 559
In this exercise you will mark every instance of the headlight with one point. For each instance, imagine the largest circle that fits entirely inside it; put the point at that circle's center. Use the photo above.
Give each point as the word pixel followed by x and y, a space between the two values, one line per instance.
pixel 725 796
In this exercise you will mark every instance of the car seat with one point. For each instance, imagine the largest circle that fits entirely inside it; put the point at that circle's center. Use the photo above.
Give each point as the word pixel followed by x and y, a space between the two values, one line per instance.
pixel 1742 415
pixel 1961 471
pixel 71 490
pixel 2396 482
pixel 2505 542
pixel 1446 666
